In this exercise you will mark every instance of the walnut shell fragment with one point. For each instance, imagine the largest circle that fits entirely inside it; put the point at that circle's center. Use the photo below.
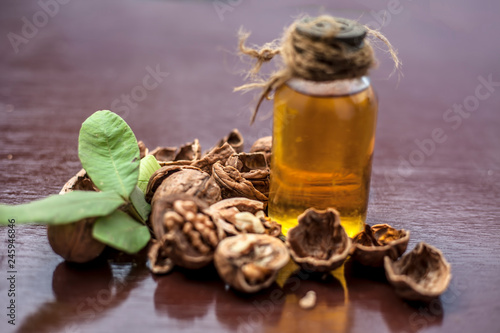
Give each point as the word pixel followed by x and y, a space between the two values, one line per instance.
pixel 253 167
pixel 74 241
pixel 263 145
pixel 420 275
pixel 234 139
pixel 232 183
pixel 242 215
pixel 318 243
pixel 164 154
pixel 250 262
pixel 143 150
pixel 187 231
pixel 183 179
pixel 191 151
pixel 184 155
pixel 371 245
pixel 218 154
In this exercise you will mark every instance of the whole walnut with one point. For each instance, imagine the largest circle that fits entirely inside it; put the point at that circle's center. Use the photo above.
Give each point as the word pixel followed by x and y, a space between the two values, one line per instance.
pixel 183 179
pixel 74 242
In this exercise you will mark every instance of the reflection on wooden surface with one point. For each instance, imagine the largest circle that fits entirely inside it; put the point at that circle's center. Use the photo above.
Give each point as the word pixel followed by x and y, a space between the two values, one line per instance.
pixel 84 293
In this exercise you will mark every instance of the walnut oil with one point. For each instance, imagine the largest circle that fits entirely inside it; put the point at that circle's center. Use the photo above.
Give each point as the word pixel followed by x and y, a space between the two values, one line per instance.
pixel 323 140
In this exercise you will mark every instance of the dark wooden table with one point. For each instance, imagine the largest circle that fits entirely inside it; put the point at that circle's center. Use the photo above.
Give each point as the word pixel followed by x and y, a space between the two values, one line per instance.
pixel 436 169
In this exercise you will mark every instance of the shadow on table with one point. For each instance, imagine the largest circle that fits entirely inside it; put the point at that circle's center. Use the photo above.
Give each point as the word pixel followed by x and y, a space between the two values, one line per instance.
pixel 86 292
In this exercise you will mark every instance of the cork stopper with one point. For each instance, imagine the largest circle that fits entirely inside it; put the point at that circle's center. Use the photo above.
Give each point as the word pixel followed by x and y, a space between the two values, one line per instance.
pixel 342 30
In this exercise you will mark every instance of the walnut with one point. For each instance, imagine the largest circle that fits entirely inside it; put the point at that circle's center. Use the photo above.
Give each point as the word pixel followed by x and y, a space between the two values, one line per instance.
pixel 374 243
pixel 308 301
pixel 186 230
pixel 250 262
pixel 253 167
pixel 242 215
pixel 318 243
pixel 74 242
pixel 420 275
pixel 183 179
pixel 264 146
pixel 79 182
pixel 232 183
pixel 234 139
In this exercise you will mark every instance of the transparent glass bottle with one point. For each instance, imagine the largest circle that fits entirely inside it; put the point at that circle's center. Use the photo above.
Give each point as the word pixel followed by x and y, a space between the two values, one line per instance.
pixel 323 140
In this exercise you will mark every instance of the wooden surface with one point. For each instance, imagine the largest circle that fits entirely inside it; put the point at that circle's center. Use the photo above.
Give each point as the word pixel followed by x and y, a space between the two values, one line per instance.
pixel 91 52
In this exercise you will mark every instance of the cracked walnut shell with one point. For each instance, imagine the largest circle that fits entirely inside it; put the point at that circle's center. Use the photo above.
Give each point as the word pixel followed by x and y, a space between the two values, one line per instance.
pixel 233 184
pixel 250 262
pixel 371 245
pixel 420 275
pixel 242 215
pixel 186 154
pixel 186 231
pixel 318 243
pixel 253 167
pixel 263 145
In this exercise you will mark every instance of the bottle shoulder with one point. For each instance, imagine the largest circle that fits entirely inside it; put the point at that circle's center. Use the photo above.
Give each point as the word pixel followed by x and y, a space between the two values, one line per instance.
pixel 329 88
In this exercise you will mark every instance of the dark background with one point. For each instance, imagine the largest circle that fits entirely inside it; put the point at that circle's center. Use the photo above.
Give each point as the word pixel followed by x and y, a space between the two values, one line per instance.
pixel 91 52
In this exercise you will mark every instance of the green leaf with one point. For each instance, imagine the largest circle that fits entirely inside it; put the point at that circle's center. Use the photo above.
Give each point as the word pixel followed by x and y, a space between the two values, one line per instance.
pixel 108 150
pixel 140 204
pixel 121 232
pixel 149 165
pixel 62 209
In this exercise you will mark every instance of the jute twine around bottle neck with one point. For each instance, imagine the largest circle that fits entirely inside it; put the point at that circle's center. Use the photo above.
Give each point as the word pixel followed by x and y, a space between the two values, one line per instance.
pixel 321 59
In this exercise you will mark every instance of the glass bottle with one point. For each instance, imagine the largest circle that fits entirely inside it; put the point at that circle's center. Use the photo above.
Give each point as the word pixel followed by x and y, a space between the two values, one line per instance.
pixel 323 140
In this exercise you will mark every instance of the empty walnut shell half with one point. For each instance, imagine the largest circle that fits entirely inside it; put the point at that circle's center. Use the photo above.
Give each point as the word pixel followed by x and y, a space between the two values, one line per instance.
pixel 263 145
pixel 420 275
pixel 318 243
pixel 74 241
pixel 374 243
pixel 253 167
pixel 250 262
pixel 183 179
pixel 187 231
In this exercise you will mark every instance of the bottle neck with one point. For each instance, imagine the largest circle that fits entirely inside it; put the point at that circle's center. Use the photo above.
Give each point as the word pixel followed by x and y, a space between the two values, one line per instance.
pixel 329 88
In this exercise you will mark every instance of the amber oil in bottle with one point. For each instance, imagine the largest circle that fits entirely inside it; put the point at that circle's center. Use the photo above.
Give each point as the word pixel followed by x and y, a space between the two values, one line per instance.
pixel 323 140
